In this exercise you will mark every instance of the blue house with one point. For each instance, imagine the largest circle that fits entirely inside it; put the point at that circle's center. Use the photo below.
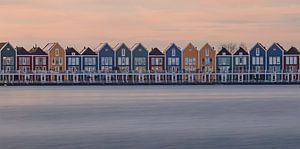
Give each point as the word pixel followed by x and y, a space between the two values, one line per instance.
pixel 173 58
pixel 89 60
pixel 275 58
pixel 8 57
pixel 258 59
pixel 224 65
pixel 106 56
pixel 123 58
pixel 73 60
pixel 139 58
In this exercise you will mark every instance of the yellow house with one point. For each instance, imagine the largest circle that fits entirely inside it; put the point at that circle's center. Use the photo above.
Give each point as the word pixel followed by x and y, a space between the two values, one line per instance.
pixel 56 56
pixel 190 62
pixel 207 62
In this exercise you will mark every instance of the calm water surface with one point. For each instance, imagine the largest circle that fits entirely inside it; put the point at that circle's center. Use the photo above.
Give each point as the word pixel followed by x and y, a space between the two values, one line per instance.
pixel 168 117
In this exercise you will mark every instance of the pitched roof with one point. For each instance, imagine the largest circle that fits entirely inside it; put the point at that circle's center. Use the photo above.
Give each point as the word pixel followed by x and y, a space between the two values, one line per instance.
pixel 155 51
pixel 119 45
pixel 2 44
pixel 71 50
pixel 49 46
pixel 241 50
pixel 224 50
pixel 261 45
pixel 88 51
pixel 37 51
pixel 292 51
pixel 135 46
pixel 170 45
pixel 22 51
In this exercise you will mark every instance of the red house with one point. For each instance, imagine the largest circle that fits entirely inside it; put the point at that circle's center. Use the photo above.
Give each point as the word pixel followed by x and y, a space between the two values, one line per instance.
pixel 156 60
pixel 40 59
pixel 24 60
pixel 291 60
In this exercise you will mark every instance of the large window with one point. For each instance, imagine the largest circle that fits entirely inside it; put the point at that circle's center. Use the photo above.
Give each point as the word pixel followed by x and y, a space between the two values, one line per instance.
pixel 140 61
pixel 156 61
pixel 24 60
pixel 257 52
pixel 173 61
pixel 241 61
pixel 224 61
pixel 8 61
pixel 106 61
pixel 123 52
pixel 40 60
pixel 57 60
pixel 257 60
pixel 291 60
pixel 274 60
pixel 73 61
pixel 123 61
pixel 190 61
pixel 89 61
pixel 206 52
pixel 173 52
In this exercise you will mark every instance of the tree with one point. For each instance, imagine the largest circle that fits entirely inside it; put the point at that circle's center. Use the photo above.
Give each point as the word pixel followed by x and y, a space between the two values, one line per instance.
pixel 231 47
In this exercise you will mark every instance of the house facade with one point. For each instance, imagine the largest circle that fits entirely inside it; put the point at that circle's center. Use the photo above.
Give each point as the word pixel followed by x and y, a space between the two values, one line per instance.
pixel 139 58
pixel 291 60
pixel 156 60
pixel 241 61
pixel 24 60
pixel 258 55
pixel 106 56
pixel 39 59
pixel 190 59
pixel 123 58
pixel 8 57
pixel 89 60
pixel 207 56
pixel 275 58
pixel 173 57
pixel 224 61
pixel 73 60
pixel 56 56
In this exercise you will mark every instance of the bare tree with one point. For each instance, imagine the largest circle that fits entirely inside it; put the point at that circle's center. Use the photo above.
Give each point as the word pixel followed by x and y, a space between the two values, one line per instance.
pixel 231 47
pixel 244 46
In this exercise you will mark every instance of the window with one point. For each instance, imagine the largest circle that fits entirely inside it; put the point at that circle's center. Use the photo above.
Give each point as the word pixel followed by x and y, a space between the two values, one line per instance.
pixel 8 61
pixel 24 61
pixel 89 61
pixel 207 61
pixel 123 61
pixel 206 52
pixel 40 61
pixel 156 61
pixel 123 52
pixel 274 60
pixel 56 52
pixel 173 52
pixel 73 61
pixel 73 53
pixel 106 61
pixel 140 61
pixel 173 61
pixel 257 52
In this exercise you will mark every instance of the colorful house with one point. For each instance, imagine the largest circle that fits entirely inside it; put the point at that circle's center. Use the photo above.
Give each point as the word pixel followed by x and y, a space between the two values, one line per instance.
pixel 106 57
pixel 39 59
pixel 207 59
pixel 224 61
pixel 291 60
pixel 275 58
pixel 8 57
pixel 173 58
pixel 73 60
pixel 139 58
pixel 24 60
pixel 258 59
pixel 56 56
pixel 156 60
pixel 241 61
pixel 190 59
pixel 123 58
pixel 89 60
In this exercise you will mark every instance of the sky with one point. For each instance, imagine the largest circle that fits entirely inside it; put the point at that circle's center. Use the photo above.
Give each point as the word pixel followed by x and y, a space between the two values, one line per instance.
pixel 156 23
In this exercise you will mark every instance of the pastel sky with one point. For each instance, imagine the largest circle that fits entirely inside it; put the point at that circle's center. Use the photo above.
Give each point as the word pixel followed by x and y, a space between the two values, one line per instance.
pixel 156 23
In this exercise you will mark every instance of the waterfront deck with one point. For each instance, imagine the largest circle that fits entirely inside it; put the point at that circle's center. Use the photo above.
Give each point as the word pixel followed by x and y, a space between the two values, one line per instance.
pixel 52 78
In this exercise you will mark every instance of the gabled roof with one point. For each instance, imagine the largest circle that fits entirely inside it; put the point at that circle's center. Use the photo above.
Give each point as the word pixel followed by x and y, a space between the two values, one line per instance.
pixel 22 51
pixel 2 44
pixel 190 45
pixel 292 51
pixel 101 46
pixel 224 50
pixel 241 50
pixel 155 51
pixel 119 45
pixel 260 45
pixel 88 51
pixel 37 51
pixel 135 46
pixel 170 45
pixel 207 45
pixel 277 45
pixel 49 46
pixel 71 50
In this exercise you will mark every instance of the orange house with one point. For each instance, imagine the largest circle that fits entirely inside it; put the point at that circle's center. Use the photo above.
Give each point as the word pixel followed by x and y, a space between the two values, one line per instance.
pixel 207 61
pixel 56 56
pixel 190 62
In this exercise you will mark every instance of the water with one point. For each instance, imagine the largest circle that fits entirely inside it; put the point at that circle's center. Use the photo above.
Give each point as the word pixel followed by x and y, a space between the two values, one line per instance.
pixel 127 117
